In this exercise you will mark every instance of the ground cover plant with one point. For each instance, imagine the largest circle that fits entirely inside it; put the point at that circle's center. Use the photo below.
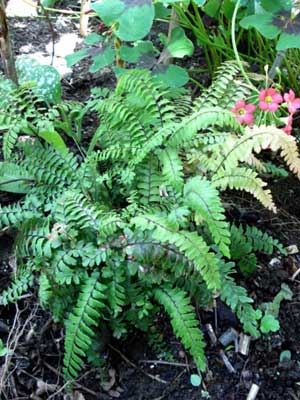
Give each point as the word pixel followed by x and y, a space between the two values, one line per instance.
pixel 114 230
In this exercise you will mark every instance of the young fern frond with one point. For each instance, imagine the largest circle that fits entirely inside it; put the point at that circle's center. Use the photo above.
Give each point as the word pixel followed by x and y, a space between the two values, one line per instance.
pixel 20 285
pixel 183 320
pixel 237 299
pixel 80 323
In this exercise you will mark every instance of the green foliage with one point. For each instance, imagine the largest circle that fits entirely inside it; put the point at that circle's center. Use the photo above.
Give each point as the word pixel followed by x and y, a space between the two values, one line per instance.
pixel 136 221
pixel 245 242
pixel 275 19
pixel 184 321
pixel 130 21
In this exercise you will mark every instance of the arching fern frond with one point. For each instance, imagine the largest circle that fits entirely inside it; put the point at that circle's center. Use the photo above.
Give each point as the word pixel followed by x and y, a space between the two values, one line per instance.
pixel 183 320
pixel 82 319
pixel 189 243
pixel 241 178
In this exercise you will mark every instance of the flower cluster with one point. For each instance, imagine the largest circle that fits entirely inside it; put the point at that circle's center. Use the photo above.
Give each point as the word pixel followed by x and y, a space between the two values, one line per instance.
pixel 268 100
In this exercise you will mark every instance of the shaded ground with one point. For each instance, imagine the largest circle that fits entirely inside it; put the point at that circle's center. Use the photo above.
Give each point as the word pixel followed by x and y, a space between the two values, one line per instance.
pixel 129 372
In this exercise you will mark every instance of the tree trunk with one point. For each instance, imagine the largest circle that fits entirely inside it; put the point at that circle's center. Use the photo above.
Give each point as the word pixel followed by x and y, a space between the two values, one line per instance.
pixel 84 18
pixel 5 46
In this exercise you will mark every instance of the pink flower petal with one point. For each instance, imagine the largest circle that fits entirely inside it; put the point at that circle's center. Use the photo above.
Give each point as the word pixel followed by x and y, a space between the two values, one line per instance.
pixel 250 108
pixel 262 94
pixel 240 104
pixel 263 105
pixel 273 107
pixel 248 118
pixel 277 98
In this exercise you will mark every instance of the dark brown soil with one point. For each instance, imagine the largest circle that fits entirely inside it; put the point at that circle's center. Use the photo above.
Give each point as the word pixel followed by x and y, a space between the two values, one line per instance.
pixel 37 358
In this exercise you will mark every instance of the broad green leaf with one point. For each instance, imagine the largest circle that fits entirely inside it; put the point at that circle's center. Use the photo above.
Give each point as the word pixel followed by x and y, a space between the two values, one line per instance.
pixel 77 56
pixel 179 45
pixel 263 24
pixel 135 53
pixel 171 75
pixel 134 18
pixel 46 77
pixel 48 3
pixel 52 137
pixel 93 38
pixel 13 179
pixel 212 8
pixel 104 56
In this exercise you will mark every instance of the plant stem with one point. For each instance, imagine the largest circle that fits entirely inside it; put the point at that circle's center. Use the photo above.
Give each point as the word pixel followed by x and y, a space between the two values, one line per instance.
pixel 236 53
pixel 84 17
pixel 6 51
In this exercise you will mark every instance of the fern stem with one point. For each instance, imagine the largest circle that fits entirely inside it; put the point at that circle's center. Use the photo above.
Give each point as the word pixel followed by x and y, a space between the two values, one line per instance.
pixel 234 46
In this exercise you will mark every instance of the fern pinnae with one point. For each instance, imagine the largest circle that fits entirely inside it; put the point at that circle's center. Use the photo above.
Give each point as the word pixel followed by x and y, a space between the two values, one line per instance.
pixel 204 199
pixel 79 332
pixel 189 243
pixel 183 320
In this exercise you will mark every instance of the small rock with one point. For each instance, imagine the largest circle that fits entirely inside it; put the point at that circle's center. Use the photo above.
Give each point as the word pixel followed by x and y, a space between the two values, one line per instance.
pixel 292 249
pixel 275 262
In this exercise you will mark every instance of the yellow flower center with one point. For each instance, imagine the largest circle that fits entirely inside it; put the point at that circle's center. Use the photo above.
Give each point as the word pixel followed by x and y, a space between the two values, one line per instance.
pixel 268 99
pixel 241 111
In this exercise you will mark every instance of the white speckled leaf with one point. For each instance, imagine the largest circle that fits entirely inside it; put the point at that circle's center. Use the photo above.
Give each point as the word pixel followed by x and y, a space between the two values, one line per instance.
pixel 46 77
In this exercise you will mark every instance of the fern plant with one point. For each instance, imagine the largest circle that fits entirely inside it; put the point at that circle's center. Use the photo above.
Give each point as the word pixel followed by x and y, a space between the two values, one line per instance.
pixel 137 221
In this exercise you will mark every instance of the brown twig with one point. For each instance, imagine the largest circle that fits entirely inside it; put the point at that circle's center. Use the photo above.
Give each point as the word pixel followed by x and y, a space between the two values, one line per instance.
pixel 136 367
pixel 51 29
pixel 161 362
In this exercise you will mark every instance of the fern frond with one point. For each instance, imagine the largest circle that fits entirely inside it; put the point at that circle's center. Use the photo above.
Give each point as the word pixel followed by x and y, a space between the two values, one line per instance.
pixel 241 178
pixel 74 211
pixel 172 168
pixel 113 278
pixel 183 320
pixel 237 299
pixel 204 199
pixel 48 167
pixel 79 332
pixel 189 243
pixel 18 287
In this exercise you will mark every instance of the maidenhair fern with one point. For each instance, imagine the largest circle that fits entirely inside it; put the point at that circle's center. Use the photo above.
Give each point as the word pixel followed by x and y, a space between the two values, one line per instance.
pixel 136 221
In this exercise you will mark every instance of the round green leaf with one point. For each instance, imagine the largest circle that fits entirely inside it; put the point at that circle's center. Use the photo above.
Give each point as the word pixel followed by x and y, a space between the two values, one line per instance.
pixel 77 56
pixel 171 75
pixel 263 24
pixel 285 355
pixel 196 380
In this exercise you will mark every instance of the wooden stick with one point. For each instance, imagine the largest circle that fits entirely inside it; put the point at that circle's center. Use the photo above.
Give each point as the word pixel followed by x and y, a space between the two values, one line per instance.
pixel 6 51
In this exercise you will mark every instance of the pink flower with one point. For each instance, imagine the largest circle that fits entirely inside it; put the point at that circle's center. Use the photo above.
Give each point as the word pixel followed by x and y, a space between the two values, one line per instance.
pixel 292 102
pixel 269 100
pixel 288 128
pixel 244 112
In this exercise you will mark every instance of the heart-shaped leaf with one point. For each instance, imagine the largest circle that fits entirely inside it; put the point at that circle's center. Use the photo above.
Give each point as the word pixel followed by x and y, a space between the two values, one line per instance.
pixel 178 46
